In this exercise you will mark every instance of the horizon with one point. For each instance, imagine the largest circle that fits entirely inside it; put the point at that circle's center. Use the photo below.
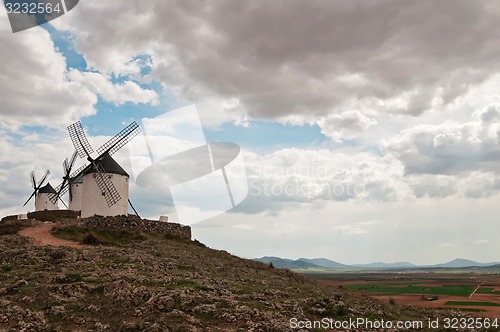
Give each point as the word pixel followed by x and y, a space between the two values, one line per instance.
pixel 355 138
pixel 381 261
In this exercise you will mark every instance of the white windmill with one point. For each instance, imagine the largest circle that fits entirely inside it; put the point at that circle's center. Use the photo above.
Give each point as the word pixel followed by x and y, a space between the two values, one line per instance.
pixel 42 194
pixel 105 183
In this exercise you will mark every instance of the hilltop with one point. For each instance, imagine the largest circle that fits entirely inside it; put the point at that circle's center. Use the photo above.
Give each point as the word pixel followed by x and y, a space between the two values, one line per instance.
pixel 137 281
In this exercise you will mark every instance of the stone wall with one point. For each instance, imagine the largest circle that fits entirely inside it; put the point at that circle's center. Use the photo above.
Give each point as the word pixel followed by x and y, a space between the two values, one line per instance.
pixel 131 223
pixel 52 215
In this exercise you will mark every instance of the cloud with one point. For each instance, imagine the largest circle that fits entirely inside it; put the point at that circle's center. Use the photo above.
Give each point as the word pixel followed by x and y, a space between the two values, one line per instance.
pixel 284 59
pixel 349 230
pixel 19 158
pixel 295 178
pixel 345 126
pixel 118 94
pixel 450 147
pixel 447 245
pixel 37 89
pixel 34 88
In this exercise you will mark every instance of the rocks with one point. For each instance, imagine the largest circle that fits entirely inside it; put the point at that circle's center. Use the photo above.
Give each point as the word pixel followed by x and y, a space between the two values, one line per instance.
pixel 131 223
pixel 162 284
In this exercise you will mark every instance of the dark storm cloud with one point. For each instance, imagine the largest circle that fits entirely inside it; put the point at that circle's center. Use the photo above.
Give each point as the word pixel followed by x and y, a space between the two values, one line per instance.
pixel 295 57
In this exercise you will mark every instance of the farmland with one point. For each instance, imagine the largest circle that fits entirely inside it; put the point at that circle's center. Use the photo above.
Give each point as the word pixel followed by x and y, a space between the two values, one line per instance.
pixel 473 291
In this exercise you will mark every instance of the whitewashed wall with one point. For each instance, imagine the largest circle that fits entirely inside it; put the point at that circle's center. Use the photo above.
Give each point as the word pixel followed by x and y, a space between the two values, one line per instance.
pixel 93 202
pixel 42 202
pixel 77 191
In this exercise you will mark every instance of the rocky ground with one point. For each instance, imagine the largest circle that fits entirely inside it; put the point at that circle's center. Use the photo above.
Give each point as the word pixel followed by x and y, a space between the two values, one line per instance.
pixel 125 281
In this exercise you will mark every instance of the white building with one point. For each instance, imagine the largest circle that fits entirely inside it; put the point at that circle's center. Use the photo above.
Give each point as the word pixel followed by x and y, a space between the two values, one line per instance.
pixel 93 201
pixel 42 199
pixel 75 203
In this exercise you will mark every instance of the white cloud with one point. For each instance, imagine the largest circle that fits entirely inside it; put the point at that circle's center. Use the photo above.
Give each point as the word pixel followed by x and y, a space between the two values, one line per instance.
pixel 34 88
pixel 449 147
pixel 349 230
pixel 345 126
pixel 294 178
pixel 119 93
pixel 447 245
pixel 19 158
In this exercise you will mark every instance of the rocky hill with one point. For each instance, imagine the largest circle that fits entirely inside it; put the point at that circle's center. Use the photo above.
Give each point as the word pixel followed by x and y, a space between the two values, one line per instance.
pixel 136 281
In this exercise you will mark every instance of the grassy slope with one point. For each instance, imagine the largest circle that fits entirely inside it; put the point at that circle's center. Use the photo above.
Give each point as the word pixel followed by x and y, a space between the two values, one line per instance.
pixel 149 282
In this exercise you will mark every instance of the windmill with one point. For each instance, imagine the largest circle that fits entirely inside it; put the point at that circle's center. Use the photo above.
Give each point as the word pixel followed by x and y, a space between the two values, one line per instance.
pixel 105 182
pixel 70 183
pixel 41 194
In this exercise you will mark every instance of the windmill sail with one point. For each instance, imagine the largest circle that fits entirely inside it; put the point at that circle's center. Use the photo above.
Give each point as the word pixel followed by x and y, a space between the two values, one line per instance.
pixel 79 139
pixel 107 187
pixel 68 179
pixel 36 186
pixel 120 139
pixel 83 148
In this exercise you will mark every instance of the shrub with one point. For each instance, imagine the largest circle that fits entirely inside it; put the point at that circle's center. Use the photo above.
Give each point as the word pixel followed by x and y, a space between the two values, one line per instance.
pixel 90 239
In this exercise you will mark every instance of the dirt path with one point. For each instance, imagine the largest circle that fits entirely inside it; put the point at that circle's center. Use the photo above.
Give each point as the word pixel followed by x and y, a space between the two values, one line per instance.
pixel 40 236
pixel 475 290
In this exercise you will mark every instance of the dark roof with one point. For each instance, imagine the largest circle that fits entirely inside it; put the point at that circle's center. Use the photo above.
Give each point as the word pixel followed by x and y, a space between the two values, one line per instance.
pixel 109 165
pixel 47 189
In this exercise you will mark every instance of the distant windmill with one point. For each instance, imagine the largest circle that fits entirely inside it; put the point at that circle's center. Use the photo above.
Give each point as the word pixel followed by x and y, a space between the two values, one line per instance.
pixel 41 194
pixel 70 183
pixel 105 182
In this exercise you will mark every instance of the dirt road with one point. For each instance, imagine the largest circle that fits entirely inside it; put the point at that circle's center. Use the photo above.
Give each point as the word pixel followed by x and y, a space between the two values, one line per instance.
pixel 40 236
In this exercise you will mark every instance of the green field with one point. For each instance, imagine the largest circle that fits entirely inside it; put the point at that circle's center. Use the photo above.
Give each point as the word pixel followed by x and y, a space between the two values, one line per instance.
pixel 478 304
pixel 462 309
pixel 464 291
pixel 487 290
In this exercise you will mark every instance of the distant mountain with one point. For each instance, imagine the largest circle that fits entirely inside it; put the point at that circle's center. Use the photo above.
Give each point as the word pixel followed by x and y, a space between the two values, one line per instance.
pixel 496 266
pixel 460 262
pixel 323 262
pixel 381 265
pixel 306 263
pixel 283 263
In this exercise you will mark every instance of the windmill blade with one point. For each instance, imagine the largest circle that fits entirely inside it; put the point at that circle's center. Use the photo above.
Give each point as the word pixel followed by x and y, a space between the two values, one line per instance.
pixel 64 204
pixel 47 173
pixel 33 180
pixel 29 199
pixel 60 191
pixel 106 186
pixel 120 139
pixel 79 172
pixel 65 167
pixel 54 197
pixel 75 176
pixel 79 139
pixel 63 188
pixel 72 161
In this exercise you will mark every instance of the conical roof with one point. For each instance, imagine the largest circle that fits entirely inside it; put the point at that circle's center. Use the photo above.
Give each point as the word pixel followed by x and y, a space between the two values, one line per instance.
pixel 47 189
pixel 109 165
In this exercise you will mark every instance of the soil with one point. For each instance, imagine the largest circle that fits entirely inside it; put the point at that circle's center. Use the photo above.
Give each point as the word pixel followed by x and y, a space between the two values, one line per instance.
pixel 40 236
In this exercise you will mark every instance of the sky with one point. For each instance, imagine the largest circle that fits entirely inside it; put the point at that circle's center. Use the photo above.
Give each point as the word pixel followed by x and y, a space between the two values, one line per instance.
pixel 369 130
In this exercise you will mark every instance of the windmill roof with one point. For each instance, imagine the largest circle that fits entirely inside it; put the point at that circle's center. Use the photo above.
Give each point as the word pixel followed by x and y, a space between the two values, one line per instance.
pixel 109 165
pixel 47 189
